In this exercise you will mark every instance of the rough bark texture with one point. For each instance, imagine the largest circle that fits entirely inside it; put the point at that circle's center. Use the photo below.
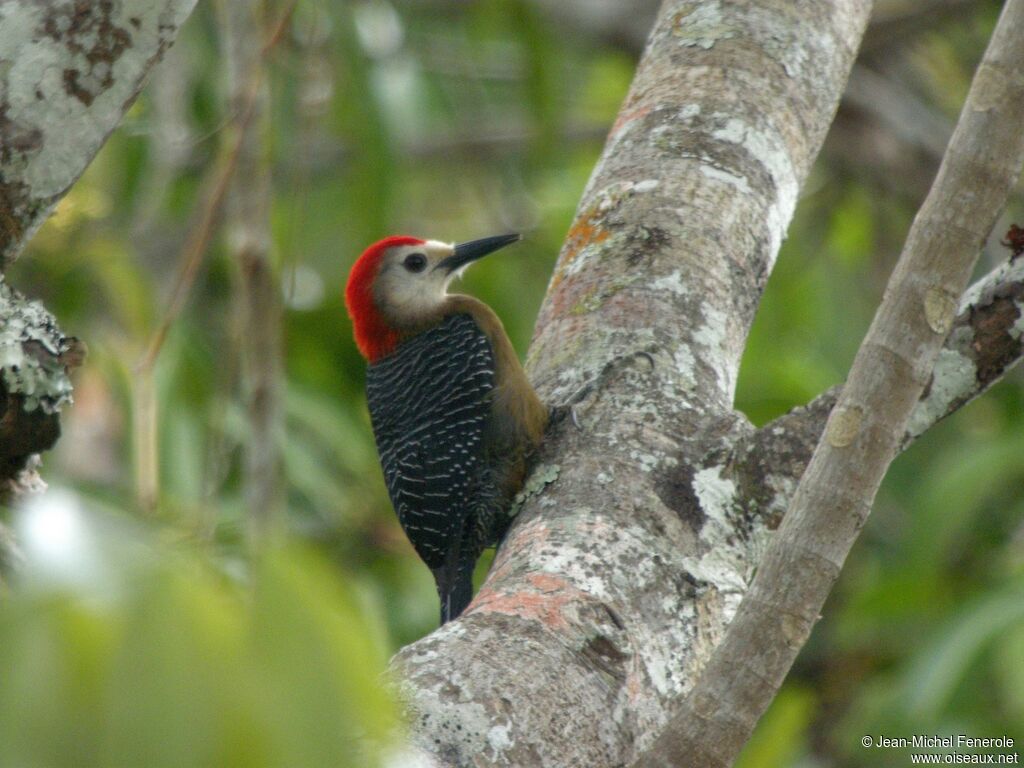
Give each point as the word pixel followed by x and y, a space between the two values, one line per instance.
pixel 865 430
pixel 632 551
pixel 68 72
pixel 34 359
pixel 984 343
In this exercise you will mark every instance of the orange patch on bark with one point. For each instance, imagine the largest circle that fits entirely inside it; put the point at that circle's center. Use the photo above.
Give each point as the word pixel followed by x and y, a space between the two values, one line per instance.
pixel 628 117
pixel 532 536
pixel 634 687
pixel 542 599
pixel 585 231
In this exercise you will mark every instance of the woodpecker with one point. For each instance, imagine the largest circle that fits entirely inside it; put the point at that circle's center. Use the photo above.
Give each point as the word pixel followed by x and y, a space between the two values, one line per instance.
pixel 454 417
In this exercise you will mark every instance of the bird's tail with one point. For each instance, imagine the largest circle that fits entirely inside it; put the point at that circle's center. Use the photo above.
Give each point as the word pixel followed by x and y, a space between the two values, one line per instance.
pixel 455 588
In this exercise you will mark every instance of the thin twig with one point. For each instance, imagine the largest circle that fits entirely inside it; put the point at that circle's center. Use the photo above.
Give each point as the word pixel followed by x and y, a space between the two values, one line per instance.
pixel 195 248
pixel 257 292
pixel 190 260
pixel 144 416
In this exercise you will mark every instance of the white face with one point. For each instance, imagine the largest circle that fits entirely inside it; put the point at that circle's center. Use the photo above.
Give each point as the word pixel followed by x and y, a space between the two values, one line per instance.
pixel 408 288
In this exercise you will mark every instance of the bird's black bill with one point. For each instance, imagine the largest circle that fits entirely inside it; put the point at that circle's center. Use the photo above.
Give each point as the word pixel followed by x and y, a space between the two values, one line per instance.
pixel 475 249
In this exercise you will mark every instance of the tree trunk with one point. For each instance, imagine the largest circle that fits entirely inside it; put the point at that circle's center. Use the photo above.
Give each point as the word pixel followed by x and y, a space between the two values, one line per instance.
pixel 867 425
pixel 642 526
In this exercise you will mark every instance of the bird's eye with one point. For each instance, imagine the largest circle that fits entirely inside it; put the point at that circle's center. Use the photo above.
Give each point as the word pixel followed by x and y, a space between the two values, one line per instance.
pixel 415 262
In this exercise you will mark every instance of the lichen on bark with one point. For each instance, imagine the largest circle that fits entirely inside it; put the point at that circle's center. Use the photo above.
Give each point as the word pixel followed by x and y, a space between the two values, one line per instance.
pixel 34 386
pixel 68 72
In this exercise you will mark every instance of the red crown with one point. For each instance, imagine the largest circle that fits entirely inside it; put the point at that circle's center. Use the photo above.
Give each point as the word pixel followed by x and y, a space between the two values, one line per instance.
pixel 374 337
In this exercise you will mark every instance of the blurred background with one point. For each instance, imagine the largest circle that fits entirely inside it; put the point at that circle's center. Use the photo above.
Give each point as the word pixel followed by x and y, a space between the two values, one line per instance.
pixel 450 119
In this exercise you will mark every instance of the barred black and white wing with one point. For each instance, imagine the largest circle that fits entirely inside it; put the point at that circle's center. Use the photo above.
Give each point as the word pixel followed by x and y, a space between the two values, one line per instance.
pixel 429 403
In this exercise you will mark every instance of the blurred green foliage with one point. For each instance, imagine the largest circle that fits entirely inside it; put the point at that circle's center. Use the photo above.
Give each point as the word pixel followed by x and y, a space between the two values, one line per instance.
pixel 183 666
pixel 448 120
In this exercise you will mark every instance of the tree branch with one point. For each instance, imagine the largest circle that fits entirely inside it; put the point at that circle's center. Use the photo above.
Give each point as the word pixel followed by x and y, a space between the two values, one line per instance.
pixel 630 553
pixel 983 345
pixel 257 291
pixel 70 72
pixel 34 386
pixel 626 23
pixel 902 135
pixel 867 426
